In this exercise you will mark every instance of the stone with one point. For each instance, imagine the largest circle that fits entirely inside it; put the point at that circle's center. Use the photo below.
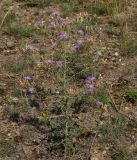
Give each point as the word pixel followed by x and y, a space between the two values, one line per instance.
pixel 10 44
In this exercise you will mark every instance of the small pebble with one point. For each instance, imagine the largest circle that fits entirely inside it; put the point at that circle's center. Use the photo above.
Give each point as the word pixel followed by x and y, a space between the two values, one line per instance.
pixel 10 44
pixel 116 54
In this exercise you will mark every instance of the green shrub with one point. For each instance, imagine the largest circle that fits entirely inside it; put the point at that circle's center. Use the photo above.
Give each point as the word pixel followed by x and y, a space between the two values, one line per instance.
pixel 131 96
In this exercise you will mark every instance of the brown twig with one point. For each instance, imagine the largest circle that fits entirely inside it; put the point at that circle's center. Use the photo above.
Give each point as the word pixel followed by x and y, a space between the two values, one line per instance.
pixel 92 144
pixel 24 151
pixel 21 144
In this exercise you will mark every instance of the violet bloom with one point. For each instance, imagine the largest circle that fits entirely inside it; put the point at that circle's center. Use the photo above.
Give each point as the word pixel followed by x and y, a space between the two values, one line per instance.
pixel 98 103
pixel 77 48
pixel 80 31
pixel 39 24
pixel 49 61
pixel 90 79
pixel 89 84
pixel 30 48
pixel 64 35
pixel 57 22
pixel 90 88
pixel 80 41
pixel 31 90
pixel 56 13
pixel 87 36
pixel 28 78
pixel 59 64
pixel 52 25
pixel 64 21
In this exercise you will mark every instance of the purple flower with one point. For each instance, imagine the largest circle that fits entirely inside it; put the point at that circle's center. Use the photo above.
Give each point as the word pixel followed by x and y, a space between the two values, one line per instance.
pixel 61 21
pixel 87 36
pixel 98 103
pixel 90 79
pixel 31 90
pixel 59 64
pixel 39 24
pixel 52 25
pixel 80 41
pixel 77 48
pixel 58 22
pixel 80 31
pixel 49 61
pixel 56 13
pixel 64 35
pixel 89 85
pixel 30 48
pixel 64 21
pixel 90 88
pixel 28 78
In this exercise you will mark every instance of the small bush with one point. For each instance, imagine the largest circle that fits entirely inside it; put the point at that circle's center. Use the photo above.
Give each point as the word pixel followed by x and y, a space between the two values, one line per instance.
pixel 131 96
pixel 38 2
pixel 22 31
pixel 15 116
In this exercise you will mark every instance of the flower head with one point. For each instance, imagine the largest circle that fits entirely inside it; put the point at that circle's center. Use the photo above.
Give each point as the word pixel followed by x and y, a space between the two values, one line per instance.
pixel 52 25
pixel 80 41
pixel 87 36
pixel 90 88
pixel 89 84
pixel 31 90
pixel 62 21
pixel 98 103
pixel 59 64
pixel 80 31
pixel 56 13
pixel 90 79
pixel 49 61
pixel 39 24
pixel 64 35
pixel 28 78
pixel 77 48
pixel 30 48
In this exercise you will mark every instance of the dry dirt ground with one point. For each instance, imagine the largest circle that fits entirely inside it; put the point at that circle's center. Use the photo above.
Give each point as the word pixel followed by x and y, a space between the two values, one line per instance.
pixel 107 132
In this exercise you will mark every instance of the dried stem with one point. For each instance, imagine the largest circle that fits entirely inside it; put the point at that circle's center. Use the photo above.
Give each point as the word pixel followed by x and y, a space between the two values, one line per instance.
pixel 5 16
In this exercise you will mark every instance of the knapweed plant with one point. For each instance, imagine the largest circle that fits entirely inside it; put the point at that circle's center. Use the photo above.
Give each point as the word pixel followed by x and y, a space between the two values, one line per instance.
pixel 63 89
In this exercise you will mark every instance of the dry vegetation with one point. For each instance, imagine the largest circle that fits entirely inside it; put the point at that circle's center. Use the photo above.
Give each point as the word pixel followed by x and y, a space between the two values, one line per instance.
pixel 68 80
